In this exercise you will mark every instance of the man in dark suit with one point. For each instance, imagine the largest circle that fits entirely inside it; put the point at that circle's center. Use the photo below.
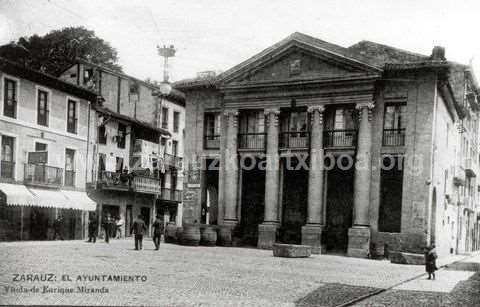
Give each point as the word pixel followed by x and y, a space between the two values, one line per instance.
pixel 107 225
pixel 92 229
pixel 138 228
pixel 58 228
pixel 158 228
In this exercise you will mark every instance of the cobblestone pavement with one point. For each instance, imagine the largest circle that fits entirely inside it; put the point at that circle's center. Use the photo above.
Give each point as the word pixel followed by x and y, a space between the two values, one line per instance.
pixel 456 285
pixel 190 276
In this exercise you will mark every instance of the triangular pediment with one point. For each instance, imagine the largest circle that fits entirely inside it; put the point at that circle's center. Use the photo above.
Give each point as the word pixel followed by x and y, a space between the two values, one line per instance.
pixel 297 58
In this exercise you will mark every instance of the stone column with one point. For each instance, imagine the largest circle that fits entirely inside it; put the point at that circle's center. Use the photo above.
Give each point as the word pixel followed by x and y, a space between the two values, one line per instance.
pixel 312 231
pixel 359 234
pixel 268 229
pixel 231 177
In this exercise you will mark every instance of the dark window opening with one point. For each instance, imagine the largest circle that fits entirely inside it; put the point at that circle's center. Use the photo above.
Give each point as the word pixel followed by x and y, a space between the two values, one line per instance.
pixel 42 108
pixel 176 121
pixel 10 98
pixel 72 116
pixel 102 135
pixel 122 134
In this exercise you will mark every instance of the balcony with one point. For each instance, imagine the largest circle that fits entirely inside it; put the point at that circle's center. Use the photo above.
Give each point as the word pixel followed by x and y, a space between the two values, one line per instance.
pixel 129 182
pixel 7 170
pixel 458 175
pixel 173 161
pixel 69 179
pixel 211 141
pixel 171 195
pixel 253 141
pixel 470 168
pixel 43 175
pixel 145 184
pixel 294 140
pixel 340 138
pixel 394 137
pixel 115 181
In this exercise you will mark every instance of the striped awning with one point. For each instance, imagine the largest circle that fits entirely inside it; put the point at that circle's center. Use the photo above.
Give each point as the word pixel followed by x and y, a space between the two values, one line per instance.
pixel 17 195
pixel 50 198
pixel 20 195
pixel 79 200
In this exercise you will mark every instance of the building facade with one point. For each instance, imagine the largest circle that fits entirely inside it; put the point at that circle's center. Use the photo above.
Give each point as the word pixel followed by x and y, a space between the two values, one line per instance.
pixel 368 150
pixel 137 146
pixel 43 168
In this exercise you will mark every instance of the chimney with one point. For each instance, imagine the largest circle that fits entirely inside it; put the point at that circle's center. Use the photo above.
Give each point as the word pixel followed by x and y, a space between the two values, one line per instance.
pixel 438 53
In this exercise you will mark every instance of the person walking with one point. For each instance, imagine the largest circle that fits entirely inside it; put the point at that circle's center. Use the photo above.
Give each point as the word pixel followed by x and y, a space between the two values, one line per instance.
pixel 58 228
pixel 107 225
pixel 119 224
pixel 431 261
pixel 92 229
pixel 158 229
pixel 138 228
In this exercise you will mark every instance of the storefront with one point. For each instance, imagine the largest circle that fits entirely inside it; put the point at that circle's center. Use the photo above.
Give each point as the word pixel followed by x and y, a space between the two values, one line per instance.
pixel 30 213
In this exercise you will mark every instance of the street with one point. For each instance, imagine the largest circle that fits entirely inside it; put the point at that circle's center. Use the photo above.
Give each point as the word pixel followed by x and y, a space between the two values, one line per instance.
pixel 218 276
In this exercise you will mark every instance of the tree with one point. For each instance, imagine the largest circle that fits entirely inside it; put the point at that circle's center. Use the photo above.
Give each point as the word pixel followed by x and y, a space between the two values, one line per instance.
pixel 58 49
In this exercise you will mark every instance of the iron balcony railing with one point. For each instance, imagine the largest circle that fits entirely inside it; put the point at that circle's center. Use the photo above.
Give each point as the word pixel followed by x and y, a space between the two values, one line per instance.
pixel 171 195
pixel 394 137
pixel 294 139
pixel 145 184
pixel 252 140
pixel 115 180
pixel 43 175
pixel 69 179
pixel 211 141
pixel 340 138
pixel 7 170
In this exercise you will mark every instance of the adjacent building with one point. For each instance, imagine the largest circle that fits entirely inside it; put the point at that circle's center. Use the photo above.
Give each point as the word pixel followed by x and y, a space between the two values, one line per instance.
pixel 43 167
pixel 368 150
pixel 136 143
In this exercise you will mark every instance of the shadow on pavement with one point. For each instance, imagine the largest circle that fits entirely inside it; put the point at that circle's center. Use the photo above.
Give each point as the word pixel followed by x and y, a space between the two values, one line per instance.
pixel 333 295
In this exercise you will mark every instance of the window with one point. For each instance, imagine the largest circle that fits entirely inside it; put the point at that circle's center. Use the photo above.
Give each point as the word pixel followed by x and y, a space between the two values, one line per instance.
pixel 165 118
pixel 41 147
pixel 176 121
pixel 42 108
pixel 212 124
pixel 72 116
pixel 395 116
pixel 394 123
pixel 119 167
pixel 10 98
pixel 102 135
pixel 122 133
pixel 7 166
pixel 175 148
pixel 69 167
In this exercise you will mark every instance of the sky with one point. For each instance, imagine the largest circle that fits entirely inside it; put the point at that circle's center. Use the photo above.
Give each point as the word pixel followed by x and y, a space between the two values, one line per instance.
pixel 218 34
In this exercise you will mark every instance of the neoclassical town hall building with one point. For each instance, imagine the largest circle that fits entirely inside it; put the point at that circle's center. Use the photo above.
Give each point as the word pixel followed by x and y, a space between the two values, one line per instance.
pixel 304 100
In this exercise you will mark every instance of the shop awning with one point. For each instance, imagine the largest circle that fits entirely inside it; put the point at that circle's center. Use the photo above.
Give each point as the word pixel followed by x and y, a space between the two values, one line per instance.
pixel 50 198
pixel 20 195
pixel 17 195
pixel 79 200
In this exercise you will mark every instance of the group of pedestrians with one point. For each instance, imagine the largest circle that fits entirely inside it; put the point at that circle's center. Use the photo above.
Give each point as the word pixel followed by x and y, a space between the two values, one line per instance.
pixel 138 229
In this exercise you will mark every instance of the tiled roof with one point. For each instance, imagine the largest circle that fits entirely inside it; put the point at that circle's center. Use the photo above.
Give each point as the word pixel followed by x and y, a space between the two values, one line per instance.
pixel 50 81
pixel 132 120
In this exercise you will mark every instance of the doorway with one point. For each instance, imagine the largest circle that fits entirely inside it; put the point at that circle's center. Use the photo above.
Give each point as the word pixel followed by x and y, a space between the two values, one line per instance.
pixel 145 212
pixel 339 206
pixel 253 203
pixel 295 201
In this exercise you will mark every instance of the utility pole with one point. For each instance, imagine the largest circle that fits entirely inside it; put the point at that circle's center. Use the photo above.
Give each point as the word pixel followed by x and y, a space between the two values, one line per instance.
pixel 166 52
